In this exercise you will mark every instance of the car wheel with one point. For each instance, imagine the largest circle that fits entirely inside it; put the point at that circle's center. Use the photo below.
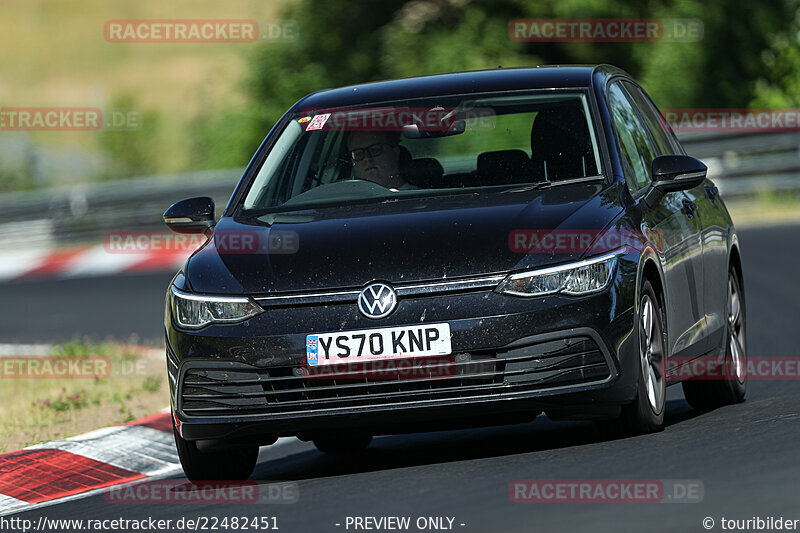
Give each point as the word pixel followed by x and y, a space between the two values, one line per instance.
pixel 342 443
pixel 731 386
pixel 226 465
pixel 646 413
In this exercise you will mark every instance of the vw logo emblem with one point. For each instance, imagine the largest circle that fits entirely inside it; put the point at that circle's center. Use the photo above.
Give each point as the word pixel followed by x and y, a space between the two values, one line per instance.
pixel 377 300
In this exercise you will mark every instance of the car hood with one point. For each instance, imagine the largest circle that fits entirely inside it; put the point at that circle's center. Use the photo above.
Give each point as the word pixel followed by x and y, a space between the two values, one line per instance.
pixel 399 241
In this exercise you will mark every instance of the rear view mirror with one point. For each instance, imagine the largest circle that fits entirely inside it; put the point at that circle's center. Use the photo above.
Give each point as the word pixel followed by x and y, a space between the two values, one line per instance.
pixel 414 131
pixel 193 215
pixel 673 173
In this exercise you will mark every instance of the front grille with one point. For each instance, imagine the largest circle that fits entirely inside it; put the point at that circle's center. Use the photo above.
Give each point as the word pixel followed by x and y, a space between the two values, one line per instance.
pixel 414 289
pixel 224 389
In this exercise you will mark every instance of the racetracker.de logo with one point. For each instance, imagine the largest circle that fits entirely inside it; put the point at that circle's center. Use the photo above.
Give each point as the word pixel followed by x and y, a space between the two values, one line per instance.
pixel 732 120
pixel 394 369
pixel 68 119
pixel 716 369
pixel 272 241
pixel 571 241
pixel 391 119
pixel 199 31
pixel 605 491
pixel 202 492
pixel 617 30
pixel 55 367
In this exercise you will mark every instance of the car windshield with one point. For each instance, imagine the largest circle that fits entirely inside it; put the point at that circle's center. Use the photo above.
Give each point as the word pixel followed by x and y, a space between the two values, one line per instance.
pixel 426 147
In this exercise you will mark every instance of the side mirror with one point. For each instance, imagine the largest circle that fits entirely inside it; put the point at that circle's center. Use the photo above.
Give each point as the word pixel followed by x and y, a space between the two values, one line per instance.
pixel 194 215
pixel 673 173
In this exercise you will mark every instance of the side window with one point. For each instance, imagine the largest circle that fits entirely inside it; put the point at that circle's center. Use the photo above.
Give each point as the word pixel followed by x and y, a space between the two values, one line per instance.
pixel 634 143
pixel 656 124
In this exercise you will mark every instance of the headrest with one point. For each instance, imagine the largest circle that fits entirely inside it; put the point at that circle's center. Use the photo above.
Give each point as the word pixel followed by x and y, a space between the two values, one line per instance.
pixel 503 166
pixel 561 147
pixel 425 172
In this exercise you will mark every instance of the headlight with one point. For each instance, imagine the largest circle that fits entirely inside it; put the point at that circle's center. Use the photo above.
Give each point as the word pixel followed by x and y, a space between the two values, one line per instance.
pixel 576 279
pixel 194 311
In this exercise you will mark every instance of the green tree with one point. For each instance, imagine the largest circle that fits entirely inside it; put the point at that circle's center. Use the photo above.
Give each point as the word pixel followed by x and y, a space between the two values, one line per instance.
pixel 342 43
pixel 779 87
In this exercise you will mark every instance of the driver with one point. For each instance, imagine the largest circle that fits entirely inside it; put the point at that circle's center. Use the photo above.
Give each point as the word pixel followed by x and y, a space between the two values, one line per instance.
pixel 375 157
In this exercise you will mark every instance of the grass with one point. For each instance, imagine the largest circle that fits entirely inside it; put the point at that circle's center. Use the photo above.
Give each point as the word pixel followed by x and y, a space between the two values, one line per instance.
pixel 57 52
pixel 37 410
pixel 765 208
pixel 54 54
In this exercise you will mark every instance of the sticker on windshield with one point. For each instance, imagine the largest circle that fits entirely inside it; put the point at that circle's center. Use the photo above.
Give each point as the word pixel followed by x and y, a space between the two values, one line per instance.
pixel 303 120
pixel 318 122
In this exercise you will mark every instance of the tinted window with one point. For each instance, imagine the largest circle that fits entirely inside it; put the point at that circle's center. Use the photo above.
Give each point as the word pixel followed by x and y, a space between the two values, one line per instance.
pixel 654 122
pixel 634 143
pixel 427 146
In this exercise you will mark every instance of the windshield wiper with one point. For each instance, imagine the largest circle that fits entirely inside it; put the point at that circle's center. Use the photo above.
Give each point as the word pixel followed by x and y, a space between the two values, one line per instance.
pixel 531 186
pixel 547 184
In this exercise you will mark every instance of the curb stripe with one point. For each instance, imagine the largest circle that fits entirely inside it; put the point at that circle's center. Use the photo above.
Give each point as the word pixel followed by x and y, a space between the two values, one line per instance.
pixel 86 262
pixel 88 463
pixel 40 475
pixel 159 261
pixel 55 262
pixel 97 261
pixel 159 421
pixel 138 449
pixel 84 465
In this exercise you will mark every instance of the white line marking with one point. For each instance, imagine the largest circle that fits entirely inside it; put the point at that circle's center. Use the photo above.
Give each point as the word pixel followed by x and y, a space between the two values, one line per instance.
pixel 136 448
pixel 14 264
pixel 98 261
pixel 8 503
pixel 25 350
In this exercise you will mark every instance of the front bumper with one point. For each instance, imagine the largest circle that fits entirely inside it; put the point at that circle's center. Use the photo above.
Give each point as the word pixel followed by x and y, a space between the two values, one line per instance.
pixel 530 355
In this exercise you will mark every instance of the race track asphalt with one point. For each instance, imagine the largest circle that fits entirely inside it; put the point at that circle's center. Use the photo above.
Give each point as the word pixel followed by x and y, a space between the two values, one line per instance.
pixel 745 455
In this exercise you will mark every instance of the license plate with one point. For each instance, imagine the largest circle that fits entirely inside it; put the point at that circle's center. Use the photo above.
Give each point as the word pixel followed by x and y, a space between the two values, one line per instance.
pixel 377 344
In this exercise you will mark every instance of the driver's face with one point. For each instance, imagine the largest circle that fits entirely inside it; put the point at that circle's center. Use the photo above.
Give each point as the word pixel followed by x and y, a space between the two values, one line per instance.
pixel 382 168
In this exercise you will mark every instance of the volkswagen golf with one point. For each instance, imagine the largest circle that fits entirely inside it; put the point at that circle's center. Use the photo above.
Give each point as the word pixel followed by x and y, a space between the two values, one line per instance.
pixel 451 251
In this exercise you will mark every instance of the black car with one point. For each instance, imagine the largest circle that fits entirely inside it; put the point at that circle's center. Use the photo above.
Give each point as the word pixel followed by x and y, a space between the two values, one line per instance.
pixel 451 251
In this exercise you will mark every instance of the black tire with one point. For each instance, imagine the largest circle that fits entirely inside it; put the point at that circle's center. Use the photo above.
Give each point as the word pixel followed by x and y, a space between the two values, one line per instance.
pixel 225 465
pixel 731 386
pixel 342 443
pixel 645 414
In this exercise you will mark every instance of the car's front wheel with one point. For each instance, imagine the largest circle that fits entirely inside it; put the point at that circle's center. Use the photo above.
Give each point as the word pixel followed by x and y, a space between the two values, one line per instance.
pixel 236 464
pixel 731 385
pixel 646 413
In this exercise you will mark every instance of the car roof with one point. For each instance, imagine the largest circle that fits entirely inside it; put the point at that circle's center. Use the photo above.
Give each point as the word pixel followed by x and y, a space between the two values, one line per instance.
pixel 477 81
